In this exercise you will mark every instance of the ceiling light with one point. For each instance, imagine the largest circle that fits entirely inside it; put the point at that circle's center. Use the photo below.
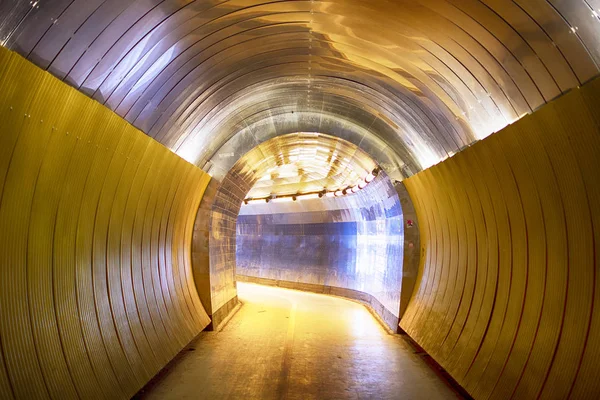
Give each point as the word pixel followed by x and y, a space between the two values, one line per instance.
pixel 308 196
pixel 282 200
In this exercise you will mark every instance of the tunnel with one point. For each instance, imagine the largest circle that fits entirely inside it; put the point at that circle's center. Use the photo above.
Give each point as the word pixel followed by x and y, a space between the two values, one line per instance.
pixel 311 199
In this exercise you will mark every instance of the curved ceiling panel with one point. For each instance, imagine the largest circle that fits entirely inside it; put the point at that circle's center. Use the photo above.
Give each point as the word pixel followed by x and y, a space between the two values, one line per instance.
pixel 421 79
pixel 304 163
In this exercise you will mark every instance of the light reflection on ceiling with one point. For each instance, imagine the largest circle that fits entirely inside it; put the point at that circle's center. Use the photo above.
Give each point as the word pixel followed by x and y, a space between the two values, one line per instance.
pixel 306 163
pixel 410 82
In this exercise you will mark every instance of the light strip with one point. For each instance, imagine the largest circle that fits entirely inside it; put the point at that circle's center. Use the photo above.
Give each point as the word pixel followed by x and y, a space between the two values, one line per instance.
pixel 361 184
pixel 282 200
pixel 308 196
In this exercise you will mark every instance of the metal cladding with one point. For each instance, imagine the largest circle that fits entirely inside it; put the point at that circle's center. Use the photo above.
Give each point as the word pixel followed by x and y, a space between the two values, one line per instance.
pixel 508 296
pixel 353 242
pixel 303 163
pixel 418 80
pixel 508 288
pixel 343 161
pixel 96 292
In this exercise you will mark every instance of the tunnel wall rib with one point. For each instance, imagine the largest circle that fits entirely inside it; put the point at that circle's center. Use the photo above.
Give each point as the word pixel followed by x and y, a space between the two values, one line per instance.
pixel 96 292
pixel 508 296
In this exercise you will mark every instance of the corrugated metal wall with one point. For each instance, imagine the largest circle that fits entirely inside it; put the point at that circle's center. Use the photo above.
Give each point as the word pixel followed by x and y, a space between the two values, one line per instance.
pixel 509 292
pixel 96 293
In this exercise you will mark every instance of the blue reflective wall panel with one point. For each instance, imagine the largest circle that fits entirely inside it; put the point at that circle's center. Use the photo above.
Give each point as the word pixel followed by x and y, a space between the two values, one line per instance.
pixel 355 242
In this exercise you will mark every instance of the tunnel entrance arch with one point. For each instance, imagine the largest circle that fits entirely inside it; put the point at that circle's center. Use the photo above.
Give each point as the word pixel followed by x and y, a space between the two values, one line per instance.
pixel 362 257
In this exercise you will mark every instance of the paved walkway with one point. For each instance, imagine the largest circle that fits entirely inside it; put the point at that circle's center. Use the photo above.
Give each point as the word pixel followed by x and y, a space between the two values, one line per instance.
pixel 285 344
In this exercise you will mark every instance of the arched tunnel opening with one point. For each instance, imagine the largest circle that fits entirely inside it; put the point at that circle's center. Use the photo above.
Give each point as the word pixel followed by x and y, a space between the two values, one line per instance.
pixel 436 160
pixel 320 215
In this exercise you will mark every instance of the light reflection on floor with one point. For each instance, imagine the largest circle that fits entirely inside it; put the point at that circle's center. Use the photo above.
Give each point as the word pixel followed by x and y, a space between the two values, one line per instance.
pixel 286 344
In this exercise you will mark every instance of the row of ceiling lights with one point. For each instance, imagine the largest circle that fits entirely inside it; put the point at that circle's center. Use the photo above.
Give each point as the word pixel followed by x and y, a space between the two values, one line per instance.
pixel 316 195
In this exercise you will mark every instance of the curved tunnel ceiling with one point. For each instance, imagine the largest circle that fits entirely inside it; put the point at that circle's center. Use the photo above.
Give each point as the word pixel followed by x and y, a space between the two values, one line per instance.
pixel 303 163
pixel 415 81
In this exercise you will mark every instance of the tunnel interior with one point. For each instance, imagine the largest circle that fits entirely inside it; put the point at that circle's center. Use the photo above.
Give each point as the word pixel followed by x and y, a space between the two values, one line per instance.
pixel 350 244
pixel 133 133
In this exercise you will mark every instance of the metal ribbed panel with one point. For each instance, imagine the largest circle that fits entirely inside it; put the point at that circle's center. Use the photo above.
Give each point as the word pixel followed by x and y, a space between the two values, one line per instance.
pixel 506 299
pixel 95 225
pixel 426 77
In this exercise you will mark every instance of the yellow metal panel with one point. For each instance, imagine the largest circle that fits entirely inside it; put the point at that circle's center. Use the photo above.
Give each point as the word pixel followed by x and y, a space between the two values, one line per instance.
pixel 150 320
pixel 170 254
pixel 50 266
pixel 583 138
pixel 115 194
pixel 535 266
pixel 457 275
pixel 137 313
pixel 442 281
pixel 87 202
pixel 153 186
pixel 177 234
pixel 462 298
pixel 477 323
pixel 464 348
pixel 160 190
pixel 553 268
pixel 500 269
pixel 18 176
pixel 520 209
pixel 108 360
pixel 509 262
pixel 74 168
pixel 123 356
pixel 580 281
pixel 172 305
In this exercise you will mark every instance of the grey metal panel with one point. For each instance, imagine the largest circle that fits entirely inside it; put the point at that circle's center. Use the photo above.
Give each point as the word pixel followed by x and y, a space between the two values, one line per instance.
pixel 425 77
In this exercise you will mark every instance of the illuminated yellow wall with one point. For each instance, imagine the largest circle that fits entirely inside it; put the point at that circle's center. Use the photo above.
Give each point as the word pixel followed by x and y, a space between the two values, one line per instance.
pixel 96 293
pixel 508 299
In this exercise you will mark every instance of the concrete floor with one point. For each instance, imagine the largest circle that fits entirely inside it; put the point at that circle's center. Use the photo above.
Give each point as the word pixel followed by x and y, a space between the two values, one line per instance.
pixel 285 344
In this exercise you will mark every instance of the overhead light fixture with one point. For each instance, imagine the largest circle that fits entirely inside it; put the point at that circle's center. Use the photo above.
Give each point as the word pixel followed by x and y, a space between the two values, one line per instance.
pixel 308 196
pixel 282 200
pixel 372 175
